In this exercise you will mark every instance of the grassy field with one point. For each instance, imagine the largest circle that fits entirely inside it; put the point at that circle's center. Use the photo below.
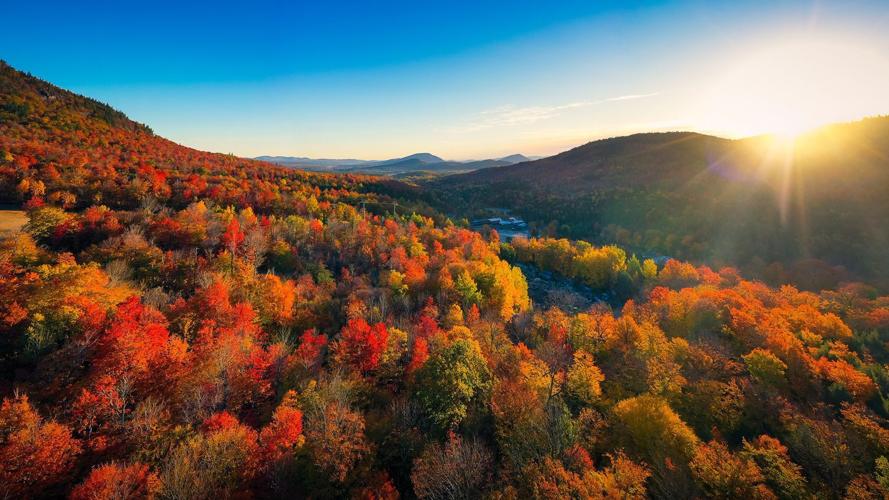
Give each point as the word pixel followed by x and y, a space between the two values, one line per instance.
pixel 11 221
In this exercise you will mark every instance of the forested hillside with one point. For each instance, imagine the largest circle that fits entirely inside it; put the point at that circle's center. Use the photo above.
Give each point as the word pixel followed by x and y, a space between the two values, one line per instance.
pixel 808 211
pixel 181 324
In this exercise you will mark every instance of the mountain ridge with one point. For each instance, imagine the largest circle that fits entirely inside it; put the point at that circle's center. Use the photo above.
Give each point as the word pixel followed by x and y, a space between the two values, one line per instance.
pixel 427 162
pixel 578 162
pixel 705 198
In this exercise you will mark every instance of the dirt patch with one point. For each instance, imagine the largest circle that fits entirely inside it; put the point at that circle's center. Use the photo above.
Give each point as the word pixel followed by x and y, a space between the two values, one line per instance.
pixel 11 221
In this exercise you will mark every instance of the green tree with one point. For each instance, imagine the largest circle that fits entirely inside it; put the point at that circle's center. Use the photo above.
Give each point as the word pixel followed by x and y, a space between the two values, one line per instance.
pixel 468 289
pixel 43 221
pixel 451 381
pixel 647 425
pixel 765 366
pixel 584 379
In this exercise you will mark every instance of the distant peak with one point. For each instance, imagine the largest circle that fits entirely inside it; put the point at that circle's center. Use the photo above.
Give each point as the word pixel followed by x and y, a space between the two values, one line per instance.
pixel 516 158
pixel 425 157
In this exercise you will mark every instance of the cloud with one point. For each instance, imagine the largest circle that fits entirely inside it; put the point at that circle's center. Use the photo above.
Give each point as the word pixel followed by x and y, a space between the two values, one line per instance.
pixel 629 97
pixel 512 115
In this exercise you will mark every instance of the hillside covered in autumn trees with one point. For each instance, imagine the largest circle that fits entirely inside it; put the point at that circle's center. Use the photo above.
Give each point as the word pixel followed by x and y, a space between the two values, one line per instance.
pixel 181 324
pixel 808 210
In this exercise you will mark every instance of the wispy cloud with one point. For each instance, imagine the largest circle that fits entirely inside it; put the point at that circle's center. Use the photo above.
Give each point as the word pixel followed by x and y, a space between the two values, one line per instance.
pixel 629 97
pixel 514 115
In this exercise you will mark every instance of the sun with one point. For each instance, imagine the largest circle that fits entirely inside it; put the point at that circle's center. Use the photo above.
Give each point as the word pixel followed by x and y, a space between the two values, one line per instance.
pixel 786 128
pixel 789 87
pixel 786 140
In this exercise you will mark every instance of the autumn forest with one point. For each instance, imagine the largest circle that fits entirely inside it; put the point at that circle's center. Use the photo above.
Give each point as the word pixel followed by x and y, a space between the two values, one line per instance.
pixel 176 324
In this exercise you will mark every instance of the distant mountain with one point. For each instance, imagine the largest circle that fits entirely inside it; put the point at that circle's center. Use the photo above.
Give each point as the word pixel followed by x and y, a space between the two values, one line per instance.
pixel 516 158
pixel 415 165
pixel 424 157
pixel 617 162
pixel 706 198
pixel 685 161
pixel 417 162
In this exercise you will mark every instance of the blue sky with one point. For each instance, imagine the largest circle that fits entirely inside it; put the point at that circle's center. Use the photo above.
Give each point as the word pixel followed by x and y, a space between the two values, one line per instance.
pixel 459 79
